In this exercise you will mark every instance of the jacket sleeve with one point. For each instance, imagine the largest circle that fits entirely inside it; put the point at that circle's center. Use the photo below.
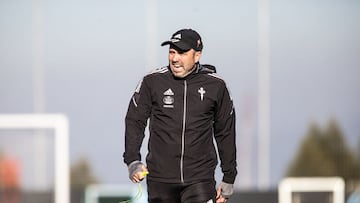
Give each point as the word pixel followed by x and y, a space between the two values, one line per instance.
pixel 225 135
pixel 136 118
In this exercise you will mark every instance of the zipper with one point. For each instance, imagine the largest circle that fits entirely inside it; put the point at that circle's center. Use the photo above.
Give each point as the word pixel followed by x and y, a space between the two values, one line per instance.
pixel 183 136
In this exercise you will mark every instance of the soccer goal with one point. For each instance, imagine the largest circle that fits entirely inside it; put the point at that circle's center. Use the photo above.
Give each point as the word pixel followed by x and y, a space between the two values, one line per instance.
pixel 291 190
pixel 58 125
pixel 110 193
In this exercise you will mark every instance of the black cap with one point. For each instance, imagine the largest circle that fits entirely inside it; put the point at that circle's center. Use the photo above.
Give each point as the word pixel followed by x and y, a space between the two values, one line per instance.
pixel 185 40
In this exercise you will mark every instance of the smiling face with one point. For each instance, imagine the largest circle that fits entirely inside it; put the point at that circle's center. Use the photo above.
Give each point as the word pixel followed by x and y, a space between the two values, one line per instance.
pixel 182 63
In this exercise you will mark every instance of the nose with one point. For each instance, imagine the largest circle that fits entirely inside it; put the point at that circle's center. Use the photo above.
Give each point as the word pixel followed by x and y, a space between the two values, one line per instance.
pixel 176 57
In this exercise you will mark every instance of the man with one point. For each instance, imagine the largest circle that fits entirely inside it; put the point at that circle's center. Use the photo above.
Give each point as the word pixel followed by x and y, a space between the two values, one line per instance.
pixel 187 105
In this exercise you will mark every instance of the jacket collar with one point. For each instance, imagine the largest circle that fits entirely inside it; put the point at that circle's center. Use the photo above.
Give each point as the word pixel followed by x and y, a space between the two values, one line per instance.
pixel 198 69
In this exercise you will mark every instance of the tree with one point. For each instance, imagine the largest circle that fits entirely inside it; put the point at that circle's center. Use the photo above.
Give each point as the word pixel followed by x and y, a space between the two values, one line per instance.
pixel 81 174
pixel 325 153
pixel 343 157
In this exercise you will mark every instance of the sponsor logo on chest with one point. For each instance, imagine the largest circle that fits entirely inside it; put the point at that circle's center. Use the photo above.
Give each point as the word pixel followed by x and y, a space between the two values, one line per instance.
pixel 168 99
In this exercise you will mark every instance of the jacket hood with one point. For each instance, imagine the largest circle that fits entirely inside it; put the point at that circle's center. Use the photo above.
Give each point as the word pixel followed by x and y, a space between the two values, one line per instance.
pixel 199 69
pixel 206 68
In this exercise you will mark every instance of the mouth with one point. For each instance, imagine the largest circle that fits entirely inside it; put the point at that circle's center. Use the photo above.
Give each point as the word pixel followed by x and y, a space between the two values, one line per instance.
pixel 177 66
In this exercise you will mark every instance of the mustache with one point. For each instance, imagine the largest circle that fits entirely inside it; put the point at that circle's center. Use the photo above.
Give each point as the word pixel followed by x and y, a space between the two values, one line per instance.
pixel 176 63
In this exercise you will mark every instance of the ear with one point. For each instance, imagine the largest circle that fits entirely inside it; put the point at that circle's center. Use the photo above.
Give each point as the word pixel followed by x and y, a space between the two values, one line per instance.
pixel 197 56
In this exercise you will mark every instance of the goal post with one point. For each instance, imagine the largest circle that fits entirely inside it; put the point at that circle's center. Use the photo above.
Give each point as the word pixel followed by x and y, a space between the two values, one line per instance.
pixel 334 185
pixel 59 123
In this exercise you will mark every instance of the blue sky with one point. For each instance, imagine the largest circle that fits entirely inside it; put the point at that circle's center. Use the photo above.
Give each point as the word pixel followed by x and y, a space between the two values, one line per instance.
pixel 94 52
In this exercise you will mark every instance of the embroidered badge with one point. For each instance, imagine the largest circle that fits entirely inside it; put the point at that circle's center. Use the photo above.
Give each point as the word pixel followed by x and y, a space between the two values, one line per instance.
pixel 168 99
pixel 201 92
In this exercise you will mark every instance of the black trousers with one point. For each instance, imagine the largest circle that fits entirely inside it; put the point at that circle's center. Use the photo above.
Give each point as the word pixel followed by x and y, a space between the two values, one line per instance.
pixel 197 192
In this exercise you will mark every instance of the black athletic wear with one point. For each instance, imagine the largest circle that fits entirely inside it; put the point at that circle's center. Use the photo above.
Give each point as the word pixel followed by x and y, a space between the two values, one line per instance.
pixel 185 114
pixel 200 192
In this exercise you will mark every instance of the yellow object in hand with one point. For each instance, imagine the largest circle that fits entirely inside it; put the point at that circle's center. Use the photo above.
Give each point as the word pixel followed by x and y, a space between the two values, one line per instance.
pixel 144 173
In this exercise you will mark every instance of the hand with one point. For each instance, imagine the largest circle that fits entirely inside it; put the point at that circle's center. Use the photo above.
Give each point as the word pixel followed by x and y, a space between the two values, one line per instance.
pixel 137 171
pixel 224 191
pixel 221 199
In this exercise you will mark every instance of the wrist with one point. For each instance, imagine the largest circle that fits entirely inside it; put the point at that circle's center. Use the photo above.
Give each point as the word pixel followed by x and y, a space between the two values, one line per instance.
pixel 227 189
pixel 135 167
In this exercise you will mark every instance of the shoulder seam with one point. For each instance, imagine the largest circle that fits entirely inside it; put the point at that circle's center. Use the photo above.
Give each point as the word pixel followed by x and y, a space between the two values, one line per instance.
pixel 163 69
pixel 216 76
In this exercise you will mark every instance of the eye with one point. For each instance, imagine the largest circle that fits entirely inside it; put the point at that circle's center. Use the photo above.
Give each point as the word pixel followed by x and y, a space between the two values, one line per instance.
pixel 182 52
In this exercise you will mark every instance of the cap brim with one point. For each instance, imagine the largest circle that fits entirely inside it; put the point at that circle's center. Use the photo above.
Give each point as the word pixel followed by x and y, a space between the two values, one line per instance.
pixel 181 45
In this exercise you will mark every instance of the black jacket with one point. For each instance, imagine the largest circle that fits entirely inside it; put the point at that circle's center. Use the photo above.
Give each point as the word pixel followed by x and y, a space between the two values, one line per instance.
pixel 185 114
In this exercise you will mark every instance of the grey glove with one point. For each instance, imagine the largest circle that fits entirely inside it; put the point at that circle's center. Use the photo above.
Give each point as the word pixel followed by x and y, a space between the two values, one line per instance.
pixel 226 189
pixel 134 167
